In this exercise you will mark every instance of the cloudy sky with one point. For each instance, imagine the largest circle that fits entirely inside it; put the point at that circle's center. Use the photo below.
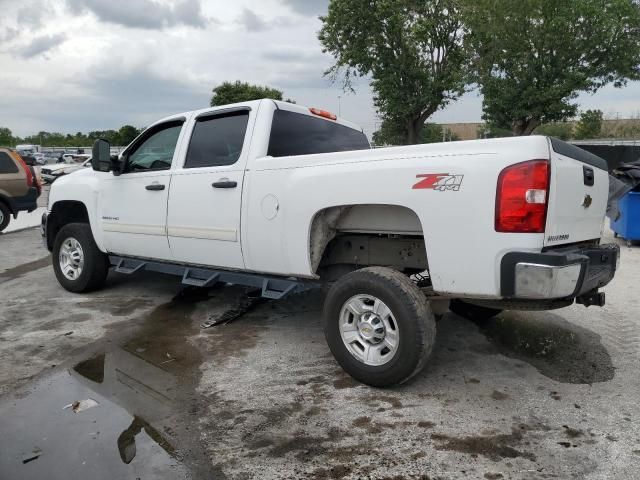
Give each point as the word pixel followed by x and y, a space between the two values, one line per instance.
pixel 81 65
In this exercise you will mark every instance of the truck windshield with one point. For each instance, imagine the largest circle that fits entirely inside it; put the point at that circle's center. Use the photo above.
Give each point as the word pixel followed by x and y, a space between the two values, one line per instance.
pixel 297 134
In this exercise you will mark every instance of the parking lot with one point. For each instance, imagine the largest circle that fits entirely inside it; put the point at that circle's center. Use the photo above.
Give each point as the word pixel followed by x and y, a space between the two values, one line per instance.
pixel 527 395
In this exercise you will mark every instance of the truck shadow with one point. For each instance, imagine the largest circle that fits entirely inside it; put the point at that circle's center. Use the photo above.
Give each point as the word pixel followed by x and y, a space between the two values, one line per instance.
pixel 558 349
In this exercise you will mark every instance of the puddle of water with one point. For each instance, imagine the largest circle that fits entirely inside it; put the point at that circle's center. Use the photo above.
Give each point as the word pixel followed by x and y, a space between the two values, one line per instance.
pixel 145 423
pixel 103 442
pixel 558 349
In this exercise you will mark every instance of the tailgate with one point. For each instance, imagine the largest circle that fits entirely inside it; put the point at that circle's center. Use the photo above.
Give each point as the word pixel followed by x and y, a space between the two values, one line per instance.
pixel 578 196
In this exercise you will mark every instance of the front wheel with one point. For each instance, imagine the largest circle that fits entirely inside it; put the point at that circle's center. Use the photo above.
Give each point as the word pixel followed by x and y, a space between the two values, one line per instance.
pixel 78 263
pixel 379 326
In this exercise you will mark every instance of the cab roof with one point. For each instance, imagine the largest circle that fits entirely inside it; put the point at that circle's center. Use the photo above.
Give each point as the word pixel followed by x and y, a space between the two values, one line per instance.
pixel 254 105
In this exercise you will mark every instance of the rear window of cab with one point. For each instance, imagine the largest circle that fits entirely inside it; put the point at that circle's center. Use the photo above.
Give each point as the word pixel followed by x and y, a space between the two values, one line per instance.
pixel 298 134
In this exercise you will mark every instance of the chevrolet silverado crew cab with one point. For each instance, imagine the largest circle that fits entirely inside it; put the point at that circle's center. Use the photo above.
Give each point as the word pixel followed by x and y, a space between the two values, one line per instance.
pixel 282 197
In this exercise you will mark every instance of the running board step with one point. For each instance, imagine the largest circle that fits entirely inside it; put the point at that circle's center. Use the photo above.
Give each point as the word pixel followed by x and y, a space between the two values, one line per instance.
pixel 269 290
pixel 133 267
pixel 199 282
pixel 271 287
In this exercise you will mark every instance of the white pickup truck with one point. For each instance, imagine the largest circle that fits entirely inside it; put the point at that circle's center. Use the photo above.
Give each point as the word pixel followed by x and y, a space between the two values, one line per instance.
pixel 282 197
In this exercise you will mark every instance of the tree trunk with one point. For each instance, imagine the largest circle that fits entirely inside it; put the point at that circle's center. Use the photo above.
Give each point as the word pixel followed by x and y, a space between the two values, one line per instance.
pixel 415 124
pixel 412 135
pixel 414 130
pixel 524 127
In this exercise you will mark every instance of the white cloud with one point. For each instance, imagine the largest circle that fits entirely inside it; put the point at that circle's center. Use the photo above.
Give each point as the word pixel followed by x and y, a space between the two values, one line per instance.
pixel 104 64
pixel 308 7
pixel 40 45
pixel 147 14
pixel 253 22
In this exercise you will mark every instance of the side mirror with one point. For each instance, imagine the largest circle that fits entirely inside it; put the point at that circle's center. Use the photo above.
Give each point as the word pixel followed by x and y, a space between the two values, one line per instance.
pixel 101 156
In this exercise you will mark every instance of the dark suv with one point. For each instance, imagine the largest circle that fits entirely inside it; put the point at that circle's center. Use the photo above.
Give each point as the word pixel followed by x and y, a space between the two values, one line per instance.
pixel 19 187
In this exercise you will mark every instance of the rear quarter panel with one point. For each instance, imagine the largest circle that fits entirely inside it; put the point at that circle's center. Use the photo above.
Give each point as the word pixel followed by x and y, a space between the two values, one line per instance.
pixel 463 249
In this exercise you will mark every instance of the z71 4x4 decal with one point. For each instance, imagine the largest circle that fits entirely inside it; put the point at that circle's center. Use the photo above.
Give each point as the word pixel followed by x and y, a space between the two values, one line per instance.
pixel 439 181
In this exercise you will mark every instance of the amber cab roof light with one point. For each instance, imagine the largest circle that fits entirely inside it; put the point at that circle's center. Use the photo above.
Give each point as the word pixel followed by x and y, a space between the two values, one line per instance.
pixel 323 113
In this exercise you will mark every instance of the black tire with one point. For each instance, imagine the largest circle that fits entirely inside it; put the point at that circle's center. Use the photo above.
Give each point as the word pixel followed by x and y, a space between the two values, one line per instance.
pixel 6 216
pixel 415 323
pixel 96 263
pixel 475 313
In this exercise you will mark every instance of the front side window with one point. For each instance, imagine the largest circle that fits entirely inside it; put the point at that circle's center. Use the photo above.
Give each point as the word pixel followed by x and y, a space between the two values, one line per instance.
pixel 298 134
pixel 217 140
pixel 155 151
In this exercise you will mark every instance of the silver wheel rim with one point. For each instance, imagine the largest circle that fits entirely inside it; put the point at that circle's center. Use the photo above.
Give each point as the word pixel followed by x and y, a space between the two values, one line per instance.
pixel 1 216
pixel 369 330
pixel 71 258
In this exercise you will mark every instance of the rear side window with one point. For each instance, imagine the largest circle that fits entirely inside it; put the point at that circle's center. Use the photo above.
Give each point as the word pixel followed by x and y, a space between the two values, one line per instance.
pixel 297 134
pixel 217 140
pixel 7 165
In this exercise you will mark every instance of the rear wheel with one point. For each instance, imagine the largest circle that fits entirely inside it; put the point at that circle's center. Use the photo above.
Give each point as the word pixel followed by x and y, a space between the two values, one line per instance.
pixel 379 326
pixel 5 216
pixel 78 263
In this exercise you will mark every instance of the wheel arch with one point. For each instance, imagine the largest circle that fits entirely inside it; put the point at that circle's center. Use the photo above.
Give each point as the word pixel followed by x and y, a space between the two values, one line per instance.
pixel 62 213
pixel 362 219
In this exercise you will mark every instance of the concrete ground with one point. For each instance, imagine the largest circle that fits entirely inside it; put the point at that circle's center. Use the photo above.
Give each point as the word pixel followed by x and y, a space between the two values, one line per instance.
pixel 526 396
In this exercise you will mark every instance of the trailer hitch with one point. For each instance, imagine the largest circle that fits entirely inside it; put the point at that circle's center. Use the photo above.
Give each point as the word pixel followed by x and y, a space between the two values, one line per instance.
pixel 592 298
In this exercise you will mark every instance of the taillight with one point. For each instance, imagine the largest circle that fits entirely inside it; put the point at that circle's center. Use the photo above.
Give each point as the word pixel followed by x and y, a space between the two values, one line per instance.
pixel 521 197
pixel 25 167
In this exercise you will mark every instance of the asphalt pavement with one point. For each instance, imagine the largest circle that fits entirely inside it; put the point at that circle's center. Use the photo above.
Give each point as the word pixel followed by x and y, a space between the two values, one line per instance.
pixel 124 383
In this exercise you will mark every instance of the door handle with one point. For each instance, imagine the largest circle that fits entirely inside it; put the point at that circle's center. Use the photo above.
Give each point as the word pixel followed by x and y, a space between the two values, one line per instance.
pixel 588 175
pixel 224 184
pixel 155 186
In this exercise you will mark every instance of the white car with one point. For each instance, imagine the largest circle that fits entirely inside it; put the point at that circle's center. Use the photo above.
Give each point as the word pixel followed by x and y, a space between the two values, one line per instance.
pixel 51 172
pixel 40 158
pixel 281 197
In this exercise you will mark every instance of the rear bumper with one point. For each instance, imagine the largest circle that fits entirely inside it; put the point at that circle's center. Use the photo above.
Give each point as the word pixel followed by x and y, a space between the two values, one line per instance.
pixel 27 202
pixel 559 274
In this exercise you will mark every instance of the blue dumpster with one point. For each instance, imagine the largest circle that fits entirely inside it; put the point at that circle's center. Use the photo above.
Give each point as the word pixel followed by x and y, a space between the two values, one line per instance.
pixel 628 224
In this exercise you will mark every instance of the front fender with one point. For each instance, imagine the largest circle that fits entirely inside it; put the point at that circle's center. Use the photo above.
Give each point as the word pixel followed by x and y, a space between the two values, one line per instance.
pixel 83 187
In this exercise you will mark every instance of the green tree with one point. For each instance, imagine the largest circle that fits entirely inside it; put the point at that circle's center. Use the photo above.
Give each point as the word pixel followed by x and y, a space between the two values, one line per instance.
pixel 127 133
pixel 589 125
pixel 391 133
pixel 531 58
pixel 413 51
pixel 6 137
pixel 561 130
pixel 238 91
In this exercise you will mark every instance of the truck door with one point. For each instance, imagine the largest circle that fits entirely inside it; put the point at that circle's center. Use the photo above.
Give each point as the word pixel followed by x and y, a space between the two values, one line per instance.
pixel 133 205
pixel 203 221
